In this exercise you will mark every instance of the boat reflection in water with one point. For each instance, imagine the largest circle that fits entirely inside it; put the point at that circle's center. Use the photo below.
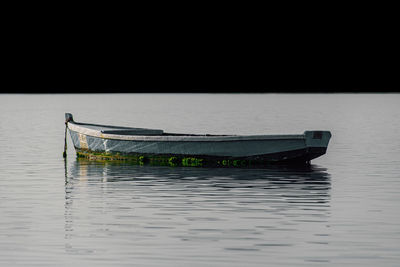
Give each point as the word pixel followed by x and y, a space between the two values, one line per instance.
pixel 242 209
pixel 114 171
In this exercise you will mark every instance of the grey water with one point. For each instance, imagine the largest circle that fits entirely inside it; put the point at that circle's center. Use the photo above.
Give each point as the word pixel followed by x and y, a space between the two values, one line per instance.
pixel 341 211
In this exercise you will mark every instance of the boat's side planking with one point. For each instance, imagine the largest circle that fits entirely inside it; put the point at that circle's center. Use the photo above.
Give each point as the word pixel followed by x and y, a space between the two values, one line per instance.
pixel 196 150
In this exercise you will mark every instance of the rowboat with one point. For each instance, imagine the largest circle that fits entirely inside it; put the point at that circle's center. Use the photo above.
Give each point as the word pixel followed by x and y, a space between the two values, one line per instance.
pixel 156 147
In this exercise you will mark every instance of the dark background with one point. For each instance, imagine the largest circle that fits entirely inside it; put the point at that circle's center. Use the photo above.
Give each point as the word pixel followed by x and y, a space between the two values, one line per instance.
pixel 211 50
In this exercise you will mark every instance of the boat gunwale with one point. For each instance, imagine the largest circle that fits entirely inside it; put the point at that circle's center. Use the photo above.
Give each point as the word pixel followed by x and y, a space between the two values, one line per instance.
pixel 79 128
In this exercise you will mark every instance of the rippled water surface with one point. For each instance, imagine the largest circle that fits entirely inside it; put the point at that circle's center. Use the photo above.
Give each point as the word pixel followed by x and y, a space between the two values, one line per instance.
pixel 341 211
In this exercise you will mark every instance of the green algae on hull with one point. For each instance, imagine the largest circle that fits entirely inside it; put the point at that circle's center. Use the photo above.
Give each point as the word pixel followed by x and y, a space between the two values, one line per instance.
pixel 162 160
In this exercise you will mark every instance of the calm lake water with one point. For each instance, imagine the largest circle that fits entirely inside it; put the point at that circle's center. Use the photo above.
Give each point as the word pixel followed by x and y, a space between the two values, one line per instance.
pixel 342 211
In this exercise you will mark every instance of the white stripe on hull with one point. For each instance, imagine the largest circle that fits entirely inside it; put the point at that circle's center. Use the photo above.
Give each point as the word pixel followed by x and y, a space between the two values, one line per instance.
pixel 241 148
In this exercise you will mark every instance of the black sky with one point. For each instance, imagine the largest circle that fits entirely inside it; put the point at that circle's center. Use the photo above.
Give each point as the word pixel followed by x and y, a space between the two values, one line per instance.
pixel 304 55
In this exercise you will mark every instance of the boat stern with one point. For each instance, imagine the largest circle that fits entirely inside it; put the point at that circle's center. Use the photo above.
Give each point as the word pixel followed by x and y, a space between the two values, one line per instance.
pixel 316 143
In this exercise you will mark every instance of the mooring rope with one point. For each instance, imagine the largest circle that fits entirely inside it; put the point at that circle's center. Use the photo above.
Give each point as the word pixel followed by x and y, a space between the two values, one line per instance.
pixel 65 140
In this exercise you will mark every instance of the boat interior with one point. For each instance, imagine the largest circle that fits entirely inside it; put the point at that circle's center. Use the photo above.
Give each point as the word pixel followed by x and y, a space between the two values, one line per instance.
pixel 121 130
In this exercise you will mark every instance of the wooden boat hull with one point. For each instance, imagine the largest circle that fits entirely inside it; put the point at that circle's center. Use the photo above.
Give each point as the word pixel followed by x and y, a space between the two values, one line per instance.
pixel 195 150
